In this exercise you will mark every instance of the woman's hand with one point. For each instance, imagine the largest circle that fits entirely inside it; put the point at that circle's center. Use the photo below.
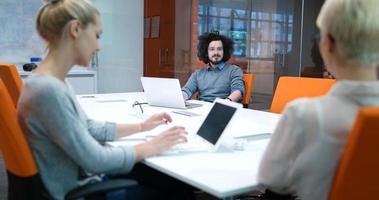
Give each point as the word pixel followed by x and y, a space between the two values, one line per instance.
pixel 162 142
pixel 155 120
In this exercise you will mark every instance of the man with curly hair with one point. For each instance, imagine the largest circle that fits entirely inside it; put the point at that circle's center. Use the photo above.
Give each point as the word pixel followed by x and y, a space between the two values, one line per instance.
pixel 218 79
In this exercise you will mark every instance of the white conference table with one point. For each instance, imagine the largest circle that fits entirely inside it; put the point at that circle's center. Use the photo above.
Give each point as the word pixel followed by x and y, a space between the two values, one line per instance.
pixel 223 175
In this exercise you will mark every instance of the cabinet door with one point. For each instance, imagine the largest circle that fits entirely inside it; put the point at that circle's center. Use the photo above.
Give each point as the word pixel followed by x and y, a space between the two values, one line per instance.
pixel 83 84
pixel 159 48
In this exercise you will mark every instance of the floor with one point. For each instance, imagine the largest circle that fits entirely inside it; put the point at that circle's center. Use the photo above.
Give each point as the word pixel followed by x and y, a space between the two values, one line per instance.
pixel 258 102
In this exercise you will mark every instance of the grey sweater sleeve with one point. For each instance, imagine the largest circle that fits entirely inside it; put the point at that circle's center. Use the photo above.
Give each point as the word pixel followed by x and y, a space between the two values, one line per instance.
pixel 53 114
pixel 237 82
pixel 102 131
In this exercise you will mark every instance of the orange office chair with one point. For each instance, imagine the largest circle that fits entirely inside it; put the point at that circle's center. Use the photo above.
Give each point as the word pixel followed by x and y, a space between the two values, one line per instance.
pixel 357 174
pixel 249 83
pixel 12 80
pixel 290 88
pixel 24 181
pixel 240 62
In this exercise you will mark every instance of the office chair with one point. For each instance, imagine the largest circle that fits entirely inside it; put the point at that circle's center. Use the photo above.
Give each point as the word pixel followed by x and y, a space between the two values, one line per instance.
pixel 24 181
pixel 12 80
pixel 240 62
pixel 290 88
pixel 357 174
pixel 249 83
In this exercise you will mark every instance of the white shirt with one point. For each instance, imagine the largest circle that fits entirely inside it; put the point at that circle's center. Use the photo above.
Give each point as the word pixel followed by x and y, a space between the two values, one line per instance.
pixel 308 142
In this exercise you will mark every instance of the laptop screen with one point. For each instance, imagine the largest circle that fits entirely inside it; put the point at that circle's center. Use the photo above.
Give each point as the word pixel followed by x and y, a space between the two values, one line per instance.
pixel 216 121
pixel 163 92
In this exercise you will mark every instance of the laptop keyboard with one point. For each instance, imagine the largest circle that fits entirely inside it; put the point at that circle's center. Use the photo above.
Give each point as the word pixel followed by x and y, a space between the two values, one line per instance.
pixel 195 144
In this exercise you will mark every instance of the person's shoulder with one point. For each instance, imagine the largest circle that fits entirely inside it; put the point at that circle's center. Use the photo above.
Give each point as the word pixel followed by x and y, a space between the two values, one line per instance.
pixel 302 102
pixel 44 84
pixel 232 67
pixel 303 107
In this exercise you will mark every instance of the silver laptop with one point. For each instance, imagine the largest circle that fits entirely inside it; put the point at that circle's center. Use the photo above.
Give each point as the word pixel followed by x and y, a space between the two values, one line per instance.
pixel 165 92
pixel 209 136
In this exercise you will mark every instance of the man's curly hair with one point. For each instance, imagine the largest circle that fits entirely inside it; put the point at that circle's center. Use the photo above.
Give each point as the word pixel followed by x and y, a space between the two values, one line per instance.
pixel 206 38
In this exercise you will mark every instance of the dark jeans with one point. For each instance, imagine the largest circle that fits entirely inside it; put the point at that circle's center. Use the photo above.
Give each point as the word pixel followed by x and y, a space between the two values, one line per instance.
pixel 153 185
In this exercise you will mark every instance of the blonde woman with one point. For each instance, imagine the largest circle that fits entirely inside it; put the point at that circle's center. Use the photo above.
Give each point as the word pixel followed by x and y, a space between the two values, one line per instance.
pixel 305 149
pixel 63 140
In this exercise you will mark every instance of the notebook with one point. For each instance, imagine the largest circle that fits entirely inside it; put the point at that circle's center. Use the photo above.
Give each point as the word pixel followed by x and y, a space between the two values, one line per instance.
pixel 165 92
pixel 209 136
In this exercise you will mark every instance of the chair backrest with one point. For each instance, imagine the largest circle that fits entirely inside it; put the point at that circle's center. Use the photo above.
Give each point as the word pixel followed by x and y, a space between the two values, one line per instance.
pixel 249 83
pixel 12 80
pixel 357 174
pixel 17 154
pixel 290 88
pixel 240 62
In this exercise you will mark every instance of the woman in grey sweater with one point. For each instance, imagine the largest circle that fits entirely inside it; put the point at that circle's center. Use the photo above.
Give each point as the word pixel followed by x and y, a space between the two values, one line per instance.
pixel 63 140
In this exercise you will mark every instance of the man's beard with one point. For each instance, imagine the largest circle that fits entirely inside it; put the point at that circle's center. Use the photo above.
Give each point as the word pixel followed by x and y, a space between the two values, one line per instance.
pixel 215 62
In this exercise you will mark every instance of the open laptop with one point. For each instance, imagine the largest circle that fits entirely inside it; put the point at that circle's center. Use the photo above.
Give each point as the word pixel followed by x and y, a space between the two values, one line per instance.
pixel 209 136
pixel 165 92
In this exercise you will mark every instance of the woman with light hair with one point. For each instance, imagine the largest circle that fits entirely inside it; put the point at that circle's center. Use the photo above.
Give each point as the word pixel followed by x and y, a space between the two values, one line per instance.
pixel 68 147
pixel 304 151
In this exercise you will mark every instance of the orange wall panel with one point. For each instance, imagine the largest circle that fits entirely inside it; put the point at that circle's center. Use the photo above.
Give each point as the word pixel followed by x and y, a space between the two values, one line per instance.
pixel 166 40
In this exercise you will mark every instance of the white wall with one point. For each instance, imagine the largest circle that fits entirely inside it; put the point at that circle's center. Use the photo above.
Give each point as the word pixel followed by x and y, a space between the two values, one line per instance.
pixel 120 63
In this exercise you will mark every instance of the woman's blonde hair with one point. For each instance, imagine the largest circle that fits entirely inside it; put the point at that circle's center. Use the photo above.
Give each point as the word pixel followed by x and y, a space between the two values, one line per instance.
pixel 55 14
pixel 354 26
